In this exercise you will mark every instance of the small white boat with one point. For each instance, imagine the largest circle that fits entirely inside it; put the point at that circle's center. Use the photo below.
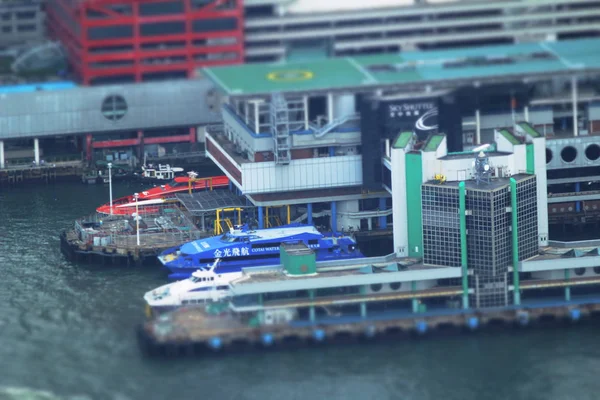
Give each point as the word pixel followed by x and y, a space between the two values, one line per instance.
pixel 162 173
pixel 205 285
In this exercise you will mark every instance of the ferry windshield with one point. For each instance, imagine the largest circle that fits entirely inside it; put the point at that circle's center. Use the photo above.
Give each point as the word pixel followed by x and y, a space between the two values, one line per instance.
pixel 196 279
pixel 226 238
pixel 174 183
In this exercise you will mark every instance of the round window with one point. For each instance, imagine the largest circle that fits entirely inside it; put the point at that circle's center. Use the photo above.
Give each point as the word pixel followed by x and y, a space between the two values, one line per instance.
pixel 114 107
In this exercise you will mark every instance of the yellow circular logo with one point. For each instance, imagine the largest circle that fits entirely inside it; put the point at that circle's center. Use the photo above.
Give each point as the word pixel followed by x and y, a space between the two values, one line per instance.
pixel 290 76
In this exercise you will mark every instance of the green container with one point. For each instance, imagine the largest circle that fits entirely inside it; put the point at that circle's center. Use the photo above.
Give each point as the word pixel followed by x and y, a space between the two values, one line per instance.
pixel 298 259
pixel 422 308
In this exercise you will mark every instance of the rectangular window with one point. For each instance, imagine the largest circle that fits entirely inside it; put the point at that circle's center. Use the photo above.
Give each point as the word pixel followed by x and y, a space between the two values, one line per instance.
pixel 26 28
pixel 161 8
pixel 162 28
pixel 265 245
pixel 25 15
pixel 213 25
pixel 110 32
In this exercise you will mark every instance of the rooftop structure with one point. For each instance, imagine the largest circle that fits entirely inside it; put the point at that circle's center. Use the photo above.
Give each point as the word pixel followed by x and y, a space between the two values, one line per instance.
pixel 132 40
pixel 314 132
pixel 277 30
pixel 488 64
pixel 140 40
pixel 110 116
pixel 21 21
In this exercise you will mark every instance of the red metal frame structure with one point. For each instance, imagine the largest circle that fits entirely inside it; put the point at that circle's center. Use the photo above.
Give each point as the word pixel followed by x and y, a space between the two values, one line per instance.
pixel 137 40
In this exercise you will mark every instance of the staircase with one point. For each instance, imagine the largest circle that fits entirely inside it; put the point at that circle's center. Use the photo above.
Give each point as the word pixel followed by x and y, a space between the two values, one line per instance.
pixel 280 129
pixel 325 129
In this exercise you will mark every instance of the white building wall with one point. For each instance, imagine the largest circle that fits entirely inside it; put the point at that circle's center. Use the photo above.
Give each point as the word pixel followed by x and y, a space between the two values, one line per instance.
pixel 462 169
pixel 442 149
pixel 431 165
pixel 399 202
pixel 404 287
pixel 519 159
pixel 494 121
pixel 331 139
pixel 539 151
pixel 343 104
pixel 344 209
pixel 541 116
pixel 594 111
pixel 502 144
pixel 243 137
pixel 306 174
pixel 319 6
pixel 201 133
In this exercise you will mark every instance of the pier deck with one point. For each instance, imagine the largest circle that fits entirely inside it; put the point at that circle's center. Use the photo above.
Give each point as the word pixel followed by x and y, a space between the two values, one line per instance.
pixel 115 238
pixel 46 172
pixel 194 330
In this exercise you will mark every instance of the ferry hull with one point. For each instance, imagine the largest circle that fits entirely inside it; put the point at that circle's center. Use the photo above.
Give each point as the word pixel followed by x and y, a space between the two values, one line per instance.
pixel 179 273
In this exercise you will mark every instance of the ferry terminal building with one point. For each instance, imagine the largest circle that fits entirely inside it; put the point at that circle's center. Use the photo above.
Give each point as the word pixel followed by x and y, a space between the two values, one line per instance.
pixel 378 140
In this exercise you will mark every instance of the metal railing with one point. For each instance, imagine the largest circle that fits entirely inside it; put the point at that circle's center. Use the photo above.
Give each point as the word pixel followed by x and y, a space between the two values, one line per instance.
pixel 104 231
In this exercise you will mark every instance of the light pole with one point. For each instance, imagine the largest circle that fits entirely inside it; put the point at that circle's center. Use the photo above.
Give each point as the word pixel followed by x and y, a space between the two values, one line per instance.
pixel 137 219
pixel 110 185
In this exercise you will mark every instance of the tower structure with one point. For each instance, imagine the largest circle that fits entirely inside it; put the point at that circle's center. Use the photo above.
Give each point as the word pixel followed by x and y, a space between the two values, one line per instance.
pixel 112 41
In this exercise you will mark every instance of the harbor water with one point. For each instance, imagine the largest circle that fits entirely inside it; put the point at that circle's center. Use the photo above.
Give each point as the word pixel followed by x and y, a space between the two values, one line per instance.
pixel 67 332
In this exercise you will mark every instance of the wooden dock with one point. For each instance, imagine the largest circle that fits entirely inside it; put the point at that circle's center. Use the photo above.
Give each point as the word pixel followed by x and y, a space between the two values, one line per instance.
pixel 45 173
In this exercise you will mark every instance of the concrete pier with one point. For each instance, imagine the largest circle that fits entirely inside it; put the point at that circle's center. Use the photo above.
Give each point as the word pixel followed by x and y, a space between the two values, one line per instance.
pixel 204 331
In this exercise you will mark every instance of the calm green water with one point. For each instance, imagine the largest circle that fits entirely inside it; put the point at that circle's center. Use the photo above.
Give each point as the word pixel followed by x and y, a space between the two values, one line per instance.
pixel 68 330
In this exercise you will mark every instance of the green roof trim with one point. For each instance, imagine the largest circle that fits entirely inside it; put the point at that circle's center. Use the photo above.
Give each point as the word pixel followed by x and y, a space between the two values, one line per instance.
pixel 510 137
pixel 402 140
pixel 433 143
pixel 413 67
pixel 530 130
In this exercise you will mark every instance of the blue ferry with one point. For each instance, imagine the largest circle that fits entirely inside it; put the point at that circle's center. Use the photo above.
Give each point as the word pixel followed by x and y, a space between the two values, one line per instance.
pixel 242 247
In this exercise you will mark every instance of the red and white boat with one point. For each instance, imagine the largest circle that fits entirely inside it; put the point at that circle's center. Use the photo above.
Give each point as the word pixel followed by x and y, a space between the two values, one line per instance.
pixel 149 200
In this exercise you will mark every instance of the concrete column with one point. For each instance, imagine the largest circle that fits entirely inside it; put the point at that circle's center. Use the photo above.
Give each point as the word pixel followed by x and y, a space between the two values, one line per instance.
pixel 1 154
pixel 333 216
pixel 261 222
pixel 305 105
pixel 312 316
pixel 88 147
pixel 526 113
pixel 36 150
pixel 140 147
pixel 370 224
pixel 574 100
pixel 567 288
pixel 477 127
pixel 309 218
pixel 415 301
pixel 382 207
pixel 577 190
pixel 363 309
pixel 192 135
pixel 344 104
pixel 330 106
pixel 256 118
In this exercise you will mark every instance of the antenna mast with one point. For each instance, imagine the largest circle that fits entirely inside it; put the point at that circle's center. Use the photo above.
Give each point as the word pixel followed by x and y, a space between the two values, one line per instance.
pixel 481 165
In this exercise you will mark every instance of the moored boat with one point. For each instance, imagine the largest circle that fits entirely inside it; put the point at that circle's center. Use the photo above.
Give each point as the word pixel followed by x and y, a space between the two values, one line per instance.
pixel 243 247
pixel 203 285
pixel 126 205
pixel 162 173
